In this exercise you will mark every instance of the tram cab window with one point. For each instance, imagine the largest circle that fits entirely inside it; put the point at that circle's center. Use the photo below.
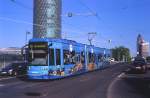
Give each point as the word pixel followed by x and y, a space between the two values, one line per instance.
pixel 58 57
pixel 38 57
pixel 51 56
pixel 68 57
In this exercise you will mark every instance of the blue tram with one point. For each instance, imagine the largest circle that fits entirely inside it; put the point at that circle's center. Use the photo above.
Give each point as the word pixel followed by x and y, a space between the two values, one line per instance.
pixel 58 58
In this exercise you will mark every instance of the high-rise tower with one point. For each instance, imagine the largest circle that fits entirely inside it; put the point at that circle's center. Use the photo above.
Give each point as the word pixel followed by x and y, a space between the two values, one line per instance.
pixel 47 19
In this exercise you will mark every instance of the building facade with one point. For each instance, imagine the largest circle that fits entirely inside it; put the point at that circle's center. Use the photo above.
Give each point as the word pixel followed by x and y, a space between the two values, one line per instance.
pixel 145 49
pixel 47 19
pixel 142 47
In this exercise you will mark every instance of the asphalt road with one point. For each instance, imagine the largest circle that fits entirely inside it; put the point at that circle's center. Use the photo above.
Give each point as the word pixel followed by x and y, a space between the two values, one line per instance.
pixel 98 84
pixel 130 85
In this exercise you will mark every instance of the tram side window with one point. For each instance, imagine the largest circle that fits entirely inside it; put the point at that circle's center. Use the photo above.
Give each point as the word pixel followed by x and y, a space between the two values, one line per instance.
pixel 108 56
pixel 94 57
pixel 58 57
pixel 51 56
pixel 72 57
pixel 91 57
pixel 82 57
pixel 68 57
pixel 77 57
pixel 100 58
pixel 105 57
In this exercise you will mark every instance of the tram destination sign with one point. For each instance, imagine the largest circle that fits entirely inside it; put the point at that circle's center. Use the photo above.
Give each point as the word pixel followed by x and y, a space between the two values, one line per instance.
pixel 38 46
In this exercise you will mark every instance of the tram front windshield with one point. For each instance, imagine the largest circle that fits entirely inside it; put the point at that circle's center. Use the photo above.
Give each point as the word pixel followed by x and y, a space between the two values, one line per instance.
pixel 38 54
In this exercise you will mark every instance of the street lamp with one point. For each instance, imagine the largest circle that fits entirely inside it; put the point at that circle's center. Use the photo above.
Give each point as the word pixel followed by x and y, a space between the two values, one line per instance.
pixel 4 61
pixel 70 14
pixel 27 33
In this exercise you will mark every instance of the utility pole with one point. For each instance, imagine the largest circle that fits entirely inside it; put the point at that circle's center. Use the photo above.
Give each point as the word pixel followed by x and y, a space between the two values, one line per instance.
pixel 71 14
pixel 91 36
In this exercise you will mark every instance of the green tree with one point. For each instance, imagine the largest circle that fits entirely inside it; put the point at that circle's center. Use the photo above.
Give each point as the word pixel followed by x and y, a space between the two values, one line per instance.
pixel 121 54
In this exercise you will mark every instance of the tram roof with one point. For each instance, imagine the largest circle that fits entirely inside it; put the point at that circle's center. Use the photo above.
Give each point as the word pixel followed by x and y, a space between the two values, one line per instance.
pixel 52 39
pixel 55 40
pixel 63 41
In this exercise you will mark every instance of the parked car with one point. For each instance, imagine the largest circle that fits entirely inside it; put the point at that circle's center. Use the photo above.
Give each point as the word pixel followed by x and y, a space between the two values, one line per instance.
pixel 21 68
pixel 8 70
pixel 14 69
pixel 139 65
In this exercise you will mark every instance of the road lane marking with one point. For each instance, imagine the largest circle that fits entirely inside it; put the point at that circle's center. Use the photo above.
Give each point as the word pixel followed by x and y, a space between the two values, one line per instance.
pixel 114 81
pixel 128 70
pixel 82 80
pixel 7 78
pixel 135 76
pixel 110 87
pixel 121 75
pixel 30 85
pixel 11 77
pixel 1 85
pixel 15 83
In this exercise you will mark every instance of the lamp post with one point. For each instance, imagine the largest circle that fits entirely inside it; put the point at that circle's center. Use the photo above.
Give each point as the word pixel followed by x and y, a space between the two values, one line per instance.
pixel 4 62
pixel 109 42
pixel 71 14
pixel 26 38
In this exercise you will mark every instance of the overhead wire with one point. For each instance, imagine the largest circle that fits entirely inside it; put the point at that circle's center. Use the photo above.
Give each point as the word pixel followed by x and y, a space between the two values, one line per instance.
pixel 88 8
pixel 18 21
pixel 21 4
pixel 97 16
pixel 29 8
pixel 29 23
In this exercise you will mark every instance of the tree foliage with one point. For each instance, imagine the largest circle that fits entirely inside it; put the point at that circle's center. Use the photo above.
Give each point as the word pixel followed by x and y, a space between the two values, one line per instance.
pixel 121 54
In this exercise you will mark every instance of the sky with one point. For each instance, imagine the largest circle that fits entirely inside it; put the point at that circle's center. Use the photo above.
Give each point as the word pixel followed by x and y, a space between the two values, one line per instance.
pixel 119 21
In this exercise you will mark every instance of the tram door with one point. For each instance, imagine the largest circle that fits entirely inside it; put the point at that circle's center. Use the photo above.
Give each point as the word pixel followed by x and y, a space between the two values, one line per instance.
pixel 58 57
pixel 55 61
pixel 54 57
